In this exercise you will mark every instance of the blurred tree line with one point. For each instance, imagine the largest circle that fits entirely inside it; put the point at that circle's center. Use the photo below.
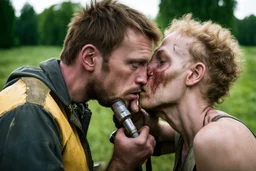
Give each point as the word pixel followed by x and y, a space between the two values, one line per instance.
pixel 50 26
pixel 46 28
pixel 219 11
pixel 7 19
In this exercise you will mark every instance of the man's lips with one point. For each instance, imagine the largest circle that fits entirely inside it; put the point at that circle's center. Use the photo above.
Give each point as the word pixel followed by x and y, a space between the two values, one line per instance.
pixel 135 93
pixel 134 96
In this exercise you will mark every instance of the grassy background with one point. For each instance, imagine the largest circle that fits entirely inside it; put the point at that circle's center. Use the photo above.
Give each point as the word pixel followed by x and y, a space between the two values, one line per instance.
pixel 240 103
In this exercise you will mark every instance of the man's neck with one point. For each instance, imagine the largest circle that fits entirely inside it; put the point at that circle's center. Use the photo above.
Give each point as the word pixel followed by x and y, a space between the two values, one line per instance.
pixel 75 82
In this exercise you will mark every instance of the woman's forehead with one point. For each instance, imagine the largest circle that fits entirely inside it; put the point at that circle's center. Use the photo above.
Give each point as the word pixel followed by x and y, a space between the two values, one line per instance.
pixel 177 43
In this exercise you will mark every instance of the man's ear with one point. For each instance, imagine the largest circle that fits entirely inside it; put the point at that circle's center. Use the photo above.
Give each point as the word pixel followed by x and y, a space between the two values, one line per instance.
pixel 196 74
pixel 89 53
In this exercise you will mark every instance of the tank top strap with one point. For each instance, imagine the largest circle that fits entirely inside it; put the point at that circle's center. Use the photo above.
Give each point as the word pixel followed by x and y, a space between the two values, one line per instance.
pixel 217 117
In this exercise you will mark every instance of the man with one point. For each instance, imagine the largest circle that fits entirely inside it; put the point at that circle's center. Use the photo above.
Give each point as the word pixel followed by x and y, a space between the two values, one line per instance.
pixel 191 71
pixel 44 115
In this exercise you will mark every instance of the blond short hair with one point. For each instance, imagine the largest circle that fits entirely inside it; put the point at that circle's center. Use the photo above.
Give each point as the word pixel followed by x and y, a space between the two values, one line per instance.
pixel 217 49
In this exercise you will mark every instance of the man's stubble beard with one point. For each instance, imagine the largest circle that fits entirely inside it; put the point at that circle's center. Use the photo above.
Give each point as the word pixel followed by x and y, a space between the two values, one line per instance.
pixel 96 89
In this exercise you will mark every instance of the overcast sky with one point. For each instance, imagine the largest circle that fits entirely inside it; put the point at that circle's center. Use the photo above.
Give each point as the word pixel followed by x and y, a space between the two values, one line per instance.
pixel 148 7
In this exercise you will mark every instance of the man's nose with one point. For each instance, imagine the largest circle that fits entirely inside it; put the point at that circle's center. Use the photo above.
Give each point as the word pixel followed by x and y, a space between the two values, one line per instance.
pixel 142 78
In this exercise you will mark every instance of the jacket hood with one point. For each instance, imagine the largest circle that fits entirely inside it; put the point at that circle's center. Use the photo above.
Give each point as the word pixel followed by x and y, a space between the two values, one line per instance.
pixel 49 73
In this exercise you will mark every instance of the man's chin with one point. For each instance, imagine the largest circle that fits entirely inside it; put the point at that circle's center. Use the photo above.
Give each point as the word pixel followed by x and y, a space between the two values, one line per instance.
pixel 103 103
pixel 106 102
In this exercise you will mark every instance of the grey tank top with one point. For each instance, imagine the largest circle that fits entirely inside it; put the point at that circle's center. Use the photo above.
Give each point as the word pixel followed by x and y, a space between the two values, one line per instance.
pixel 189 161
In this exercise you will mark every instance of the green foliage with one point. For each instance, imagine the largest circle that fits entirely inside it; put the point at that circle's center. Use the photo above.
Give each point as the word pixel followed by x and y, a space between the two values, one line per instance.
pixel 240 103
pixel 26 27
pixel 246 31
pixel 52 26
pixel 166 13
pixel 220 11
pixel 7 19
pixel 242 99
pixel 14 58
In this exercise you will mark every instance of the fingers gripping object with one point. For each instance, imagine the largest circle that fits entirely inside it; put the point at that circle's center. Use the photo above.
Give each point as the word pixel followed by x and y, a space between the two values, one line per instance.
pixel 123 115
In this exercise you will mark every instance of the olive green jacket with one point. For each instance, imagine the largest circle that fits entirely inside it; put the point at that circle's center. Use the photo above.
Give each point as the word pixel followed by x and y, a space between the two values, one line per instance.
pixel 40 129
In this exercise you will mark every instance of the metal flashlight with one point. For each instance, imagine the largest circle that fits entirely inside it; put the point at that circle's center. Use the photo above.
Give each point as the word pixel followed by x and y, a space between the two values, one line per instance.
pixel 123 115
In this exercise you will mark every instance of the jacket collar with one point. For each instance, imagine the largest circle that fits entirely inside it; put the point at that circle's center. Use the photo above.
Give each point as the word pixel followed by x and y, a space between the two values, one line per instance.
pixel 51 68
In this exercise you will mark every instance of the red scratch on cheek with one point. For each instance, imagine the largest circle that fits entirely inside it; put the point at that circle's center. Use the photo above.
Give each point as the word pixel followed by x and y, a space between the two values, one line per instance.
pixel 158 78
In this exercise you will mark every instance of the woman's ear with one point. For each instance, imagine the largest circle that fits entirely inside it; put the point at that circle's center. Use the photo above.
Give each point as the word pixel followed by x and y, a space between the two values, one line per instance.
pixel 88 56
pixel 196 74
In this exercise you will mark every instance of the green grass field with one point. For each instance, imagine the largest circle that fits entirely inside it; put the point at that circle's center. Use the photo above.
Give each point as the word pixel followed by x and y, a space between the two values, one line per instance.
pixel 240 103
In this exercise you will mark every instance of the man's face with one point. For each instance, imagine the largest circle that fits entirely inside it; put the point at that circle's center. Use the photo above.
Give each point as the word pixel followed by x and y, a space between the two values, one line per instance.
pixel 127 71
pixel 167 73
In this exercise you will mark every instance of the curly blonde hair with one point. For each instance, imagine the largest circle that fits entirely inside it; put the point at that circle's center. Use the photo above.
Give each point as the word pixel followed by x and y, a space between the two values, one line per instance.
pixel 217 49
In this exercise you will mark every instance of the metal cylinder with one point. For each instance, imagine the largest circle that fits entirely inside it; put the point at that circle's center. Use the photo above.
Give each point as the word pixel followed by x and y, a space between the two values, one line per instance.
pixel 123 115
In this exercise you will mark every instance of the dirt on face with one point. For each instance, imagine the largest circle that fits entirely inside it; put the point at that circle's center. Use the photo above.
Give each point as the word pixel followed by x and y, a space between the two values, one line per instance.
pixel 158 78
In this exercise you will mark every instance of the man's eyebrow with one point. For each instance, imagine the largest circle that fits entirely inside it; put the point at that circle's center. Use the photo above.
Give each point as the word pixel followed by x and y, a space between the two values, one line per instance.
pixel 140 60
pixel 143 60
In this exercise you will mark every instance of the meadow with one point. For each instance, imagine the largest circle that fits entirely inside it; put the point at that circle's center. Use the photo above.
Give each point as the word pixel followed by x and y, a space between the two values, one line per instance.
pixel 240 103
